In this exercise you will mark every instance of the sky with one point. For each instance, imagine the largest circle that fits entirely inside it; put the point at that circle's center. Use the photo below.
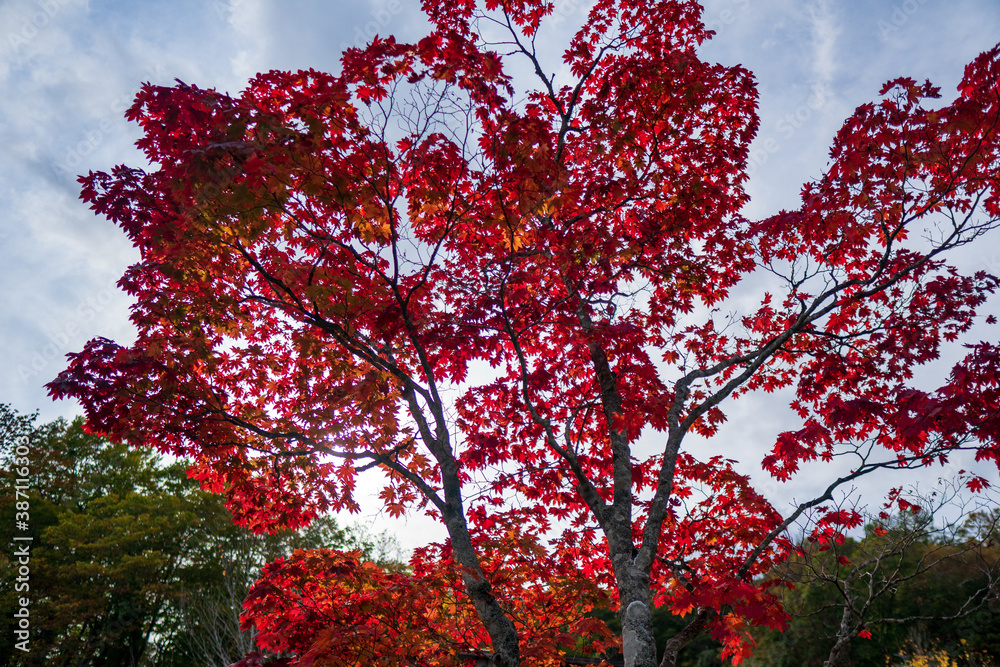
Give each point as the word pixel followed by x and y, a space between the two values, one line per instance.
pixel 69 69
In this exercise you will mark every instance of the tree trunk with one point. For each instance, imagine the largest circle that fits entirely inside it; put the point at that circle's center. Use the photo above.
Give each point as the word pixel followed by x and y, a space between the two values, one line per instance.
pixel 501 629
pixel 840 648
pixel 638 643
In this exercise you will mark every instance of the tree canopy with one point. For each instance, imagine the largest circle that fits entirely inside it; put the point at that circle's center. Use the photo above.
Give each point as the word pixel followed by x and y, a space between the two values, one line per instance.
pixel 519 297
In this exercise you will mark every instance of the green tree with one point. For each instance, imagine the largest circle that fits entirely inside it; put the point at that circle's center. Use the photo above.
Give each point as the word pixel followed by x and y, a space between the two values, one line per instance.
pixel 906 587
pixel 115 532
pixel 132 563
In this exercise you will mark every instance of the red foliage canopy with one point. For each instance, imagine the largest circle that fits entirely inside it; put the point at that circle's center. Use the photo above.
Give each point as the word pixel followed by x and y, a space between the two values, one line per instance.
pixel 490 296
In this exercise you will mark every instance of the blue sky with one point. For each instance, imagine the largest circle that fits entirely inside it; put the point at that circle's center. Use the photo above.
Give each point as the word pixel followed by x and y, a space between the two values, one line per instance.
pixel 68 69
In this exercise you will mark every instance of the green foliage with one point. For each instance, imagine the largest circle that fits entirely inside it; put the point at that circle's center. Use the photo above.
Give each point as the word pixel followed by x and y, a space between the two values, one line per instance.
pixel 922 576
pixel 132 563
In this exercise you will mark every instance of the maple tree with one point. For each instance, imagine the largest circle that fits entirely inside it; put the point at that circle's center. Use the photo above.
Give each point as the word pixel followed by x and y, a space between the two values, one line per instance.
pixel 489 288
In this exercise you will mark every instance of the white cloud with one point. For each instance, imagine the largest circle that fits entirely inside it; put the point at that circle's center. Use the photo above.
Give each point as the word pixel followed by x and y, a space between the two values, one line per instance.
pixel 825 29
pixel 32 31
pixel 250 20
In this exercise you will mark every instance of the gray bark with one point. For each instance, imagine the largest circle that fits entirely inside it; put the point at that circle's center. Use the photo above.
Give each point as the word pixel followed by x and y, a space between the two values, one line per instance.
pixel 638 643
pixel 839 649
